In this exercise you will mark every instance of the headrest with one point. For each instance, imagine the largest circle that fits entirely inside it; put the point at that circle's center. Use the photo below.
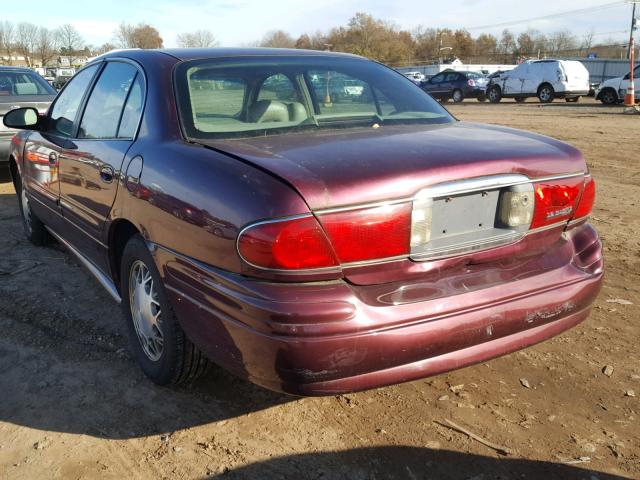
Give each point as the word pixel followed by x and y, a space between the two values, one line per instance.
pixel 268 111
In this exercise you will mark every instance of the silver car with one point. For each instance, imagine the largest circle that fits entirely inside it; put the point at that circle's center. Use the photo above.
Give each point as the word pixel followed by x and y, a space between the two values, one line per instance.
pixel 20 87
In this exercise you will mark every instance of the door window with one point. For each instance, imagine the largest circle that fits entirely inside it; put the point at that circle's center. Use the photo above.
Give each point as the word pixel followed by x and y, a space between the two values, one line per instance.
pixel 336 92
pixel 102 114
pixel 65 109
pixel 437 79
pixel 278 87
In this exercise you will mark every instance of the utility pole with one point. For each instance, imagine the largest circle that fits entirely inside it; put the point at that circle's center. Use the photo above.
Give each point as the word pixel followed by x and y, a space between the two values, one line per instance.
pixel 633 27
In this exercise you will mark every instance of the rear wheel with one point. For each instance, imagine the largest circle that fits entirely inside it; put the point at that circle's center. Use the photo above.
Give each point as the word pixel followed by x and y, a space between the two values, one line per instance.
pixel 494 94
pixel 546 93
pixel 157 341
pixel 457 96
pixel 34 229
pixel 608 96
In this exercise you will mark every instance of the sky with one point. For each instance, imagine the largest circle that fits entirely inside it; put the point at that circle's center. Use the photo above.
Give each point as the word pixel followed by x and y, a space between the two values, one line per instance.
pixel 235 23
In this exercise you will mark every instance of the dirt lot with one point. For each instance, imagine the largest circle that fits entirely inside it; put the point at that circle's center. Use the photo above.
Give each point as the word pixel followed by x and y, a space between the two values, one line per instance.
pixel 73 405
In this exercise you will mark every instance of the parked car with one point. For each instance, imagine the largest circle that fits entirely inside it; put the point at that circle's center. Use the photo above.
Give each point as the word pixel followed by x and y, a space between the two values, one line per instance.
pixel 311 247
pixel 613 91
pixel 545 79
pixel 456 85
pixel 20 87
pixel 415 77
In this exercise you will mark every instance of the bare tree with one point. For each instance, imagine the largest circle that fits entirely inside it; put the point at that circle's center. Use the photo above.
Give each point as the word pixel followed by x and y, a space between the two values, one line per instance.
pixel 26 39
pixel 561 41
pixel 69 39
pixel 587 40
pixel 7 32
pixel 278 39
pixel 138 36
pixel 197 39
pixel 46 46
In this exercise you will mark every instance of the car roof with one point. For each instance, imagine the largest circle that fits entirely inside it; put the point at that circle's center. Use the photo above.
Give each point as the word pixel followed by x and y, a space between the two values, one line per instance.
pixel 7 68
pixel 198 53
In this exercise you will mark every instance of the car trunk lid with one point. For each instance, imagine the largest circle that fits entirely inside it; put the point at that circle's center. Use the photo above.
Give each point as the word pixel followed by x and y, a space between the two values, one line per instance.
pixel 336 168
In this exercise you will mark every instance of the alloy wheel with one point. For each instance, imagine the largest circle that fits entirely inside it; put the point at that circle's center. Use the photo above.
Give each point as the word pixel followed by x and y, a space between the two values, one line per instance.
pixel 145 310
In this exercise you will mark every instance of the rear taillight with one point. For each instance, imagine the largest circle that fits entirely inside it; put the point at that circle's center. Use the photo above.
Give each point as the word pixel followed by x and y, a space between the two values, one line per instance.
pixel 344 237
pixel 587 199
pixel 555 201
pixel 369 233
pixel 292 244
pixel 471 83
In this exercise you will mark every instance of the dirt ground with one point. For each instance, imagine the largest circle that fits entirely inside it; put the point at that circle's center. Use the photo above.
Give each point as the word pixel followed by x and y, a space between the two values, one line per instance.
pixel 73 405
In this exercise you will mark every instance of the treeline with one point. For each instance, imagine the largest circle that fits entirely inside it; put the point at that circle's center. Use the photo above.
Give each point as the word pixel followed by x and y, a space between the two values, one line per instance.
pixel 386 42
pixel 363 35
pixel 41 46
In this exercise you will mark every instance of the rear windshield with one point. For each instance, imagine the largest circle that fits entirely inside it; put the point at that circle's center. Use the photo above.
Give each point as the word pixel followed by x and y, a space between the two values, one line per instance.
pixel 261 95
pixel 475 75
pixel 23 83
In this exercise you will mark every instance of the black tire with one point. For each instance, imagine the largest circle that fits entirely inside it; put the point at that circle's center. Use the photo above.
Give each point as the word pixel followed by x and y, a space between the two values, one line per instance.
pixel 179 361
pixel 34 229
pixel 457 96
pixel 608 96
pixel 546 93
pixel 520 99
pixel 572 99
pixel 494 94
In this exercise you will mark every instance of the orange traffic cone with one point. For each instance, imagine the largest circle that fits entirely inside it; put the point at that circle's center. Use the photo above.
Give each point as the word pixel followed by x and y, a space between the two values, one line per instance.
pixel 629 98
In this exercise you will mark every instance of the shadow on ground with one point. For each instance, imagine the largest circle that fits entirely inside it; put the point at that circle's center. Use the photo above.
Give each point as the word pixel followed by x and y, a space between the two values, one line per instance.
pixel 64 358
pixel 408 463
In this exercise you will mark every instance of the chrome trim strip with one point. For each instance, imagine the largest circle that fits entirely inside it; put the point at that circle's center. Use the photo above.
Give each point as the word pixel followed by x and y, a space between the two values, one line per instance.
pixel 492 181
pixel 95 271
pixel 455 187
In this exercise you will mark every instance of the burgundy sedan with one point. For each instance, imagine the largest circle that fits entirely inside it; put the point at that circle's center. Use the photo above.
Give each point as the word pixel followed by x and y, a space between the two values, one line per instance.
pixel 313 222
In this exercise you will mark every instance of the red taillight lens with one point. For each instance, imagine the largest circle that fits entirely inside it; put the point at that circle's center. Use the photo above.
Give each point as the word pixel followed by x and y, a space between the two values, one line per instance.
pixel 287 245
pixel 471 83
pixel 587 199
pixel 370 233
pixel 555 201
pixel 351 236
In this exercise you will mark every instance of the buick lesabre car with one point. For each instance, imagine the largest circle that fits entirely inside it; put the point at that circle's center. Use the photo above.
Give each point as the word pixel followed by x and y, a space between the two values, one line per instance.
pixel 246 211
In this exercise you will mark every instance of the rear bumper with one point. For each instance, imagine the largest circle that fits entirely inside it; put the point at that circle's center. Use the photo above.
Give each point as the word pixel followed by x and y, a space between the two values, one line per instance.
pixel 332 337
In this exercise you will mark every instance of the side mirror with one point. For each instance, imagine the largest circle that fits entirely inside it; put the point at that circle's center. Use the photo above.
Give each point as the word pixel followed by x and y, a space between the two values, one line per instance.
pixel 24 118
pixel 627 76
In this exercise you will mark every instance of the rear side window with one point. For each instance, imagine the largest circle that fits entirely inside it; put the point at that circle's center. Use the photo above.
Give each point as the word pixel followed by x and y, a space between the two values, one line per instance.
pixel 102 114
pixel 65 109
pixel 23 83
pixel 337 92
pixel 132 110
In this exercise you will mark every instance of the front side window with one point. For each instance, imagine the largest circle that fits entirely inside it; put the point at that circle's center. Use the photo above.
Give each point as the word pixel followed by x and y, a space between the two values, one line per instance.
pixel 23 83
pixel 102 114
pixel 65 109
pixel 226 97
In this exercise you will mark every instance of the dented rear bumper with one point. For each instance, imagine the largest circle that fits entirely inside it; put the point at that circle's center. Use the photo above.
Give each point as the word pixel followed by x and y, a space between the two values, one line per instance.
pixel 330 337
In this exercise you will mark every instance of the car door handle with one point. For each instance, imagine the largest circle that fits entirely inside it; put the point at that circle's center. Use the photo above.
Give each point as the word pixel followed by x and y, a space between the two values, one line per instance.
pixel 106 174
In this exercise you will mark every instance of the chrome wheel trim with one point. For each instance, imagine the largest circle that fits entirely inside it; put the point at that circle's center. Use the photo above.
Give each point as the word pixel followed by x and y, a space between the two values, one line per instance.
pixel 493 94
pixel 26 209
pixel 145 310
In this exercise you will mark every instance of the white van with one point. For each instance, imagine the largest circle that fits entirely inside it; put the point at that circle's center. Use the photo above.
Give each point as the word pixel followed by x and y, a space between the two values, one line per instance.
pixel 613 91
pixel 545 79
